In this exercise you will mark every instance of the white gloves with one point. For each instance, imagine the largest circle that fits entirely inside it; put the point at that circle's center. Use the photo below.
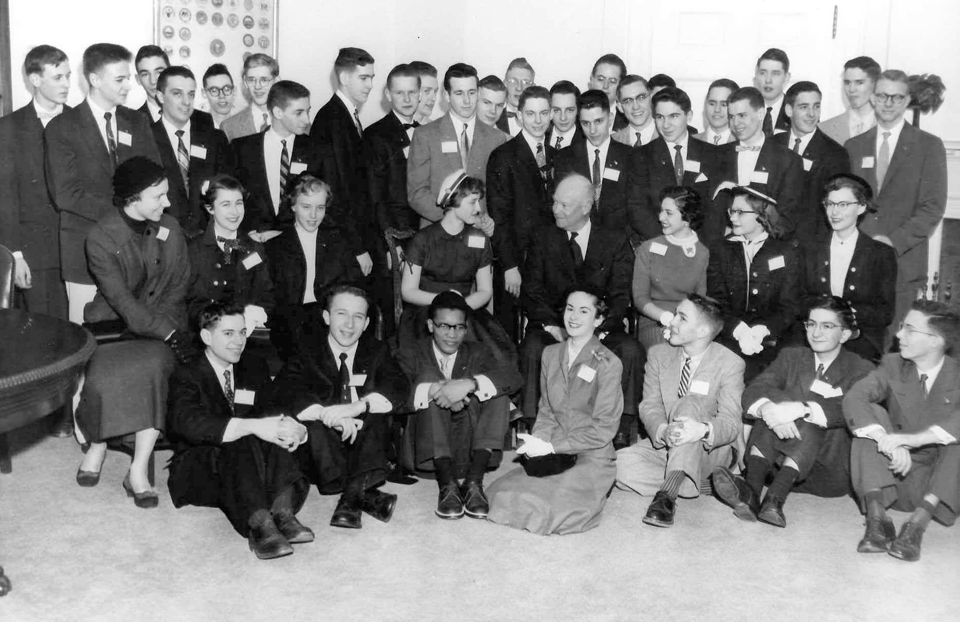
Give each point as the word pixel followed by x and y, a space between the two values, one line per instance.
pixel 750 338
pixel 665 318
pixel 533 447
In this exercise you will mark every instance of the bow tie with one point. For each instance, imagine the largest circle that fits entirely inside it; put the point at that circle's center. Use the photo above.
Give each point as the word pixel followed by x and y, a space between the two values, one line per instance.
pixel 407 126
pixel 229 246
pixel 748 148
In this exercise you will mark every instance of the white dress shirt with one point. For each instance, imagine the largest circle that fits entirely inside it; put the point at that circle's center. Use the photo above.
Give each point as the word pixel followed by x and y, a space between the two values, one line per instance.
pixel 841 254
pixel 351 108
pixel 46 115
pixel 647 133
pixel 308 241
pixel 218 369
pixel 98 113
pixel 583 236
pixel 747 160
pixel 684 152
pixel 256 113
pixel 857 124
pixel 892 140
pixel 172 134
pixel 604 147
pixel 724 136
pixel 804 141
pixel 533 142
pixel 567 137
pixel 458 127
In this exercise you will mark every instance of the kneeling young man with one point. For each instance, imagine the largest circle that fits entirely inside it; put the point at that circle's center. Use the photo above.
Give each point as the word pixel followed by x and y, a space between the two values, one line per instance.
pixel 227 453
pixel 796 405
pixel 691 410
pixel 903 417
pixel 460 392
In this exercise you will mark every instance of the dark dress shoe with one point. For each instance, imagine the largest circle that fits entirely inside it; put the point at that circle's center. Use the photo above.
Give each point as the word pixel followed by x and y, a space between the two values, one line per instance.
pixel 735 492
pixel 267 542
pixel 347 514
pixel 878 536
pixel 63 426
pixel 88 479
pixel 621 440
pixel 475 502
pixel 907 545
pixel 771 512
pixel 661 511
pixel 292 529
pixel 379 504
pixel 145 500
pixel 450 504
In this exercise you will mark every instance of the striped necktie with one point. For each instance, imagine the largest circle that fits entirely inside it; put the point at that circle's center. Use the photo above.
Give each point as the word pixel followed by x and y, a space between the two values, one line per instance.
pixel 183 160
pixel 284 168
pixel 228 388
pixel 684 377
pixel 111 139
pixel 464 147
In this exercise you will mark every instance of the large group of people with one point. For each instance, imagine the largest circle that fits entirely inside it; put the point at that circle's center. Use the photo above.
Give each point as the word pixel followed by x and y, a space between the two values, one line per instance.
pixel 656 309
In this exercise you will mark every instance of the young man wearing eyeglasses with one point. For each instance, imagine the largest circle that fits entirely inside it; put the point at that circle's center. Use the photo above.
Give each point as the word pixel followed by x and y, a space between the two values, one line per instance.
pixel 219 92
pixel 799 435
pixel 903 417
pixel 519 76
pixel 635 101
pixel 907 171
pixel 460 393
pixel 259 73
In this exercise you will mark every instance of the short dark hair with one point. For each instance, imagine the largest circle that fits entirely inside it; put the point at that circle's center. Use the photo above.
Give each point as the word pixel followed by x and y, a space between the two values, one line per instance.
pixel 520 63
pixel 40 56
pixel 599 298
pixel 629 79
pixel 778 55
pixel 593 98
pixel 610 59
pixel 564 87
pixel 492 83
pixel 305 183
pixel 261 60
pixel 767 214
pixel 864 64
pixel 216 69
pixel 804 86
pixel 895 75
pixel 459 70
pixel 688 202
pixel 211 314
pixel 533 92
pixel 402 71
pixel 423 68
pixel 942 319
pixel 335 290
pixel 451 300
pixel 150 51
pixel 840 306
pixel 99 55
pixel 726 83
pixel 749 94
pixel 178 71
pixel 217 183
pixel 710 310
pixel 857 185
pixel 661 80
pixel 673 95
pixel 348 59
pixel 469 185
pixel 283 92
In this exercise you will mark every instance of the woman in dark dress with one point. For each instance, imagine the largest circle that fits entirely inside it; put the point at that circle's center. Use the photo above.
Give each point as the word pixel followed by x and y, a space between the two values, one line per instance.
pixel 452 255
pixel 138 259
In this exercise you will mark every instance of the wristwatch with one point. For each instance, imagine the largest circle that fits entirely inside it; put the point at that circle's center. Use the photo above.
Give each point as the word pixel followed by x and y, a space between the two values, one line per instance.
pixel 476 385
pixel 366 406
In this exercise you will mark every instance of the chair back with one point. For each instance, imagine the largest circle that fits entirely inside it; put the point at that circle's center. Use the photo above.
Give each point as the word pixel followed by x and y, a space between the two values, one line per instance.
pixel 7 264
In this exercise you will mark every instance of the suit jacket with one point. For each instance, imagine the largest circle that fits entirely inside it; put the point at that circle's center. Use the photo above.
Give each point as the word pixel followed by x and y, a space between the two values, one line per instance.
pixel 612 209
pixel 519 197
pixel 783 171
pixel 578 136
pixel 428 165
pixel 385 147
pixel 838 127
pixel 29 222
pixel 767 293
pixel 782 124
pixel 651 170
pixel 239 125
pixel 912 200
pixel 210 154
pixel 548 272
pixel 822 158
pixel 720 369
pixel 80 175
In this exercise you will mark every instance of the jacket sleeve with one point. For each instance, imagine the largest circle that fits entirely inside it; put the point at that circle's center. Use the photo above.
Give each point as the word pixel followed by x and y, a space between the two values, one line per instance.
pixel 931 199
pixel 652 411
pixel 641 213
pixel 533 290
pixel 833 406
pixel 773 383
pixel 502 373
pixel 298 386
pixel 728 424
pixel 619 284
pixel 500 205
pixel 861 405
pixel 9 190
pixel 419 194
pixel 605 416
pixel 790 295
pixel 67 189
pixel 190 415
pixel 389 381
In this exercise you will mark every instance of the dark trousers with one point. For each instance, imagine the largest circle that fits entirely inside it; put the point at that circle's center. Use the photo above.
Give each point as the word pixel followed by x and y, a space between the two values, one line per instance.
pixel 330 462
pixel 803 450
pixel 239 477
pixel 438 432
pixel 47 294
pixel 505 305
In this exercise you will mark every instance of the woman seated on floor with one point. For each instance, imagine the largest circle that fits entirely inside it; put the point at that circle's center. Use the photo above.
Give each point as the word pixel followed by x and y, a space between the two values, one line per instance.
pixel 580 406
pixel 138 259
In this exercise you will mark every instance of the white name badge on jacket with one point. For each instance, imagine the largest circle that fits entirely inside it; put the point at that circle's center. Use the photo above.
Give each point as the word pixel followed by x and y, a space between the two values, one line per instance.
pixel 587 373
pixel 776 263
pixel 449 146
pixel 163 233
pixel 612 174
pixel 358 380
pixel 475 241
pixel 244 396
pixel 252 260
pixel 124 138
pixel 198 151
pixel 700 387
pixel 691 165
pixel 807 164
pixel 758 177
pixel 868 162
pixel 658 249
pixel 822 388
pixel 297 167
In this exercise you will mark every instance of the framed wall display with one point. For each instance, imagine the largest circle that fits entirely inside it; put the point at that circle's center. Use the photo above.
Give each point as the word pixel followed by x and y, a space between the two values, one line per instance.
pixel 199 33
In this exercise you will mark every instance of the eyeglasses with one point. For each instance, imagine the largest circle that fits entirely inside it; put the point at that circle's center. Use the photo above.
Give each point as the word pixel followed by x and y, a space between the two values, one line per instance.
pixel 217 91
pixel 910 330
pixel 738 212
pixel 258 81
pixel 842 205
pixel 642 97
pixel 514 83
pixel 452 328
pixel 811 325
pixel 896 99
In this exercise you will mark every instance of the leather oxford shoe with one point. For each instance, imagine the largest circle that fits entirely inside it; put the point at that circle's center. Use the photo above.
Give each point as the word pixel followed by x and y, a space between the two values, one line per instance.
pixel 449 504
pixel 347 514
pixel 907 545
pixel 292 529
pixel 475 502
pixel 379 504
pixel 735 492
pixel 267 542
pixel 771 512
pixel 661 511
pixel 878 536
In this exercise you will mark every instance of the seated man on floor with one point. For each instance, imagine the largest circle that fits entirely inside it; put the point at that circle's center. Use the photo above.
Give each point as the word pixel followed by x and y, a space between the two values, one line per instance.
pixel 461 398
pixel 903 416
pixel 799 435
pixel 691 410
pixel 228 453
pixel 343 382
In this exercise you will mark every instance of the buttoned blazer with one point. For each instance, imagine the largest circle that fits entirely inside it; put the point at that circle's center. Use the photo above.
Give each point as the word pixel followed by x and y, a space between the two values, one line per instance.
pixel 385 147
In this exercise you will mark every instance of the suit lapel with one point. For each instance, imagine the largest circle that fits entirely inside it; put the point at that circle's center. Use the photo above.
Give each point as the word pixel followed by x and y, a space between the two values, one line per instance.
pixel 215 386
pixel 91 133
pixel 902 154
pixel 869 142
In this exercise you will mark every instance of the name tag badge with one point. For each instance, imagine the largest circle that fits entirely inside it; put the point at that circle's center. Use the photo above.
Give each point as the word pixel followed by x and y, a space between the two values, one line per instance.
pixel 758 177
pixel 658 249
pixel 297 167
pixel 163 233
pixel 358 380
pixel 807 164
pixel 700 178
pixel 776 263
pixel 691 165
pixel 868 162
pixel 700 387
pixel 252 260
pixel 822 388
pixel 476 241
pixel 406 152
pixel 612 174
pixel 587 373
pixel 198 151
pixel 244 396
pixel 449 146
pixel 124 138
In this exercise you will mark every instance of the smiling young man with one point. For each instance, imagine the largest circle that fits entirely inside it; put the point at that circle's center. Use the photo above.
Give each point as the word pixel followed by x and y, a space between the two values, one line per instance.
pixel 564 129
pixel 429 87
pixel 259 74
pixel 715 112
pixel 771 77
pixel 491 101
pixel 860 74
pixel 634 102
pixel 220 92
pixel 606 75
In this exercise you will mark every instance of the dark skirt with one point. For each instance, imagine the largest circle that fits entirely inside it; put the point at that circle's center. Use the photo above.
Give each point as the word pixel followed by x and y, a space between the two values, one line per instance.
pixel 125 390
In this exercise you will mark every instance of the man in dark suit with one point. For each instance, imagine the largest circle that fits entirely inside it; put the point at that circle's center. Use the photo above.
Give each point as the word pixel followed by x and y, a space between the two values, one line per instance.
pixel 577 251
pixel 83 147
pixel 190 153
pixel 673 159
pixel 907 170
pixel 822 157
pixel 564 129
pixel 229 453
pixel 717 131
pixel 519 76
pixel 460 393
pixel 770 77
pixel 149 63
pixel 606 75
pixel 220 92
pixel 260 72
pixel 903 417
pixel 599 159
pixel 491 100
pixel 519 189
pixel 343 383
pixel 634 102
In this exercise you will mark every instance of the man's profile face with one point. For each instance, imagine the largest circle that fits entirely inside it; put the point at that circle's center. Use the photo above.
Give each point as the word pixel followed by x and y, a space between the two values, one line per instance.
pixel 429 86
pixel 463 97
pixel 346 315
pixel 490 105
pixel 358 83
pixel 448 327
pixel 295 117
pixel 563 111
pixel 745 122
pixel 226 339
pixel 572 203
pixel 686 326
pixel 54 83
pixel 148 72
pixel 635 103
pixel 112 82
pixel 770 78
pixel 177 99
pixel 403 93
pixel 596 124
pixel 150 205
pixel 715 109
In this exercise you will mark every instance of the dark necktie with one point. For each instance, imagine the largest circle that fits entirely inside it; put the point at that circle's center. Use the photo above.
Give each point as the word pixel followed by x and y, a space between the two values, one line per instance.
pixel 228 388
pixel 597 177
pixel 111 139
pixel 678 164
pixel 639 142
pixel 266 122
pixel 183 160
pixel 464 147
pixel 796 145
pixel 344 379
pixel 575 251
pixel 716 139
pixel 684 377
pixel 541 156
pixel 820 371
pixel 923 385
pixel 559 141
pixel 768 122
pixel 284 168
pixel 356 117
pixel 883 160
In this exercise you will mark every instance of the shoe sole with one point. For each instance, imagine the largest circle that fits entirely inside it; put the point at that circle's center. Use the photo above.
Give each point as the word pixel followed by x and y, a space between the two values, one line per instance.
pixel 869 547
pixel 449 516
pixel 656 523
pixel 892 552
pixel 475 514
pixel 771 520
pixel 282 553
pixel 728 492
pixel 301 539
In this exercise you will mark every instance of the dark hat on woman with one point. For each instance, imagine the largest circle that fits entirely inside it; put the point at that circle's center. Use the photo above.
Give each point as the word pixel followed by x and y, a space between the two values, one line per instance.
pixel 133 176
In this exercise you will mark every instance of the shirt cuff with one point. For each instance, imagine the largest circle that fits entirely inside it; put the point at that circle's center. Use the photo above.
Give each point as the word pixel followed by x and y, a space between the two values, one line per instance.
pixel 18 254
pixel 817 417
pixel 485 388
pixel 658 437
pixel 381 396
pixel 754 410
pixel 869 430
pixel 943 436
pixel 708 440
pixel 421 397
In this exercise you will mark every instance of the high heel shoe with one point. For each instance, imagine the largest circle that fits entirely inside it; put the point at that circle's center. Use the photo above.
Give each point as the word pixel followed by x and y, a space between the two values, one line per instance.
pixel 88 479
pixel 145 500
